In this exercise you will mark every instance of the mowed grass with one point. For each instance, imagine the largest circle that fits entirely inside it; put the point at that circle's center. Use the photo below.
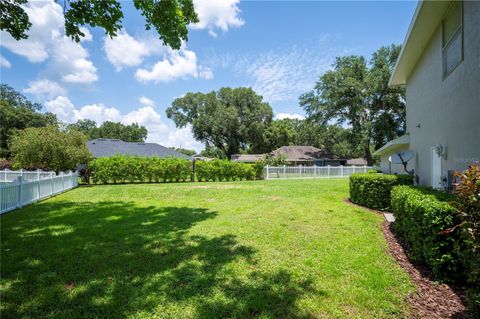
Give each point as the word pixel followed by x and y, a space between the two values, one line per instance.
pixel 264 249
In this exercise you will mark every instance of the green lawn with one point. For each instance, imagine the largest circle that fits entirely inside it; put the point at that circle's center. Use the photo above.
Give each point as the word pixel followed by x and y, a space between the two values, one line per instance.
pixel 266 249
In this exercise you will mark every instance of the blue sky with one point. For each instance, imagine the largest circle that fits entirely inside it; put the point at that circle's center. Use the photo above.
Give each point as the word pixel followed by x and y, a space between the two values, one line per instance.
pixel 279 48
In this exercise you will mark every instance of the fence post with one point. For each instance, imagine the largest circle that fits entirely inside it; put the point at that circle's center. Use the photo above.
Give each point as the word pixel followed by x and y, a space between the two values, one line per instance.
pixel 51 184
pixel 267 172
pixel 353 166
pixel 328 170
pixel 314 171
pixel 284 171
pixel 38 186
pixel 341 170
pixel 63 182
pixel 19 185
pixel 300 172
pixel 365 168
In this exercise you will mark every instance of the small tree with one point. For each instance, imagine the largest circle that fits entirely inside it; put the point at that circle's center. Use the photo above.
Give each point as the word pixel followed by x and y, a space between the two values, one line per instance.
pixel 49 148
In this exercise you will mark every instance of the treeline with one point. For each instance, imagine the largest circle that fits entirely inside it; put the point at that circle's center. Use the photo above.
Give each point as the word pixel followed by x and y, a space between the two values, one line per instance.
pixel 132 169
pixel 18 113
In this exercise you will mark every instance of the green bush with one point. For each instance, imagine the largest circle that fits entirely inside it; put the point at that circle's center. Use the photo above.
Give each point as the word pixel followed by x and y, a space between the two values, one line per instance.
pixel 421 217
pixel 373 190
pixel 222 170
pixel 122 169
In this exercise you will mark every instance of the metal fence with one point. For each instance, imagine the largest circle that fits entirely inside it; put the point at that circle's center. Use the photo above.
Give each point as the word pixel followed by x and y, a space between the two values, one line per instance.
pixel 22 191
pixel 307 172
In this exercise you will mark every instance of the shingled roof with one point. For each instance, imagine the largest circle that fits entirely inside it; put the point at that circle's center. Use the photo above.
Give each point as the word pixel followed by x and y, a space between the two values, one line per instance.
pixel 104 147
pixel 303 153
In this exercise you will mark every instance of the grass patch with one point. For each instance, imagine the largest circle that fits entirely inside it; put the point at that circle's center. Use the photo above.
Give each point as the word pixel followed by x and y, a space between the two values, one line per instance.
pixel 265 249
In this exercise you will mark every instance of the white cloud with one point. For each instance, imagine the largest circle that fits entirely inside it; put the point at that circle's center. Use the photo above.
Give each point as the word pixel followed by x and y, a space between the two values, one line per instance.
pixel 46 41
pixel 4 63
pixel 125 50
pixel 158 130
pixel 62 107
pixel 45 87
pixel 293 116
pixel 177 64
pixel 217 14
pixel 146 101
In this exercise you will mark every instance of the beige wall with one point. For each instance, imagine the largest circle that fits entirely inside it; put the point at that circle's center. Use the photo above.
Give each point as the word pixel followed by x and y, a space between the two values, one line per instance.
pixel 447 111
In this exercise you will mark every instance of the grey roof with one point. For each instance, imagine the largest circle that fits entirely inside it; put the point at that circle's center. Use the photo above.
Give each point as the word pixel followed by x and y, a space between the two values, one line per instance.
pixel 104 147
pixel 304 153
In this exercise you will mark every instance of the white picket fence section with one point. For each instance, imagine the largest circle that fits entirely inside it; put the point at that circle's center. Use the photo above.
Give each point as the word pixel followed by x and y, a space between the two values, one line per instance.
pixel 309 172
pixel 7 175
pixel 22 191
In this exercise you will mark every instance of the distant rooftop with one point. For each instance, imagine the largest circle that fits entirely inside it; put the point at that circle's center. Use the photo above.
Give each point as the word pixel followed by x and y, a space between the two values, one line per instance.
pixel 304 153
pixel 105 147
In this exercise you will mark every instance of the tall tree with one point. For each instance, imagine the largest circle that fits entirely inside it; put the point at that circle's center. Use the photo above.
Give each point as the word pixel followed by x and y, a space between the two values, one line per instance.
pixel 358 95
pixel 170 18
pixel 16 113
pixel 108 129
pixel 229 119
pixel 49 148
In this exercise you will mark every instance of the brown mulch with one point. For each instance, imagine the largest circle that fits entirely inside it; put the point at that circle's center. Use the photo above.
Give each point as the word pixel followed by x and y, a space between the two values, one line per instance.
pixel 431 300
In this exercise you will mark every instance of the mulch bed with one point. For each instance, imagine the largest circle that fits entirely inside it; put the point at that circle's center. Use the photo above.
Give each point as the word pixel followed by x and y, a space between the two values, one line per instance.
pixel 431 300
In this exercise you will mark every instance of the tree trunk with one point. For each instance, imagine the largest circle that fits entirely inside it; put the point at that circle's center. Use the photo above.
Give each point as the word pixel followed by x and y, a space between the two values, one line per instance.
pixel 368 155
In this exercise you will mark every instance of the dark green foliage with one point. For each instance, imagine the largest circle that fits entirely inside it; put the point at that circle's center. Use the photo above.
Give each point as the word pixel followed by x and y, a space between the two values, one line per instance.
pixel 123 169
pixel 18 113
pixel 116 130
pixel 230 119
pixel 373 190
pixel 14 19
pixel 421 217
pixel 357 93
pixel 258 168
pixel 222 170
pixel 170 18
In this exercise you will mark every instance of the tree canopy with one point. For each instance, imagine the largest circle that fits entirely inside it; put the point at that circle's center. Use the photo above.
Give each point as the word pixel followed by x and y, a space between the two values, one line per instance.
pixel 17 113
pixel 49 148
pixel 357 94
pixel 170 18
pixel 230 119
pixel 128 133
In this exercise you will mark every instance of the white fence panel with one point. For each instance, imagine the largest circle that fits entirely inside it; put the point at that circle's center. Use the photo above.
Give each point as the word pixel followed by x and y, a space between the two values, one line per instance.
pixel 306 172
pixel 21 192
pixel 7 175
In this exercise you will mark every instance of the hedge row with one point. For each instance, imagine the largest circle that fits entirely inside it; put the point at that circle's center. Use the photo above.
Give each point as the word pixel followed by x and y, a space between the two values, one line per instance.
pixel 223 170
pixel 374 190
pixel 123 169
pixel 421 217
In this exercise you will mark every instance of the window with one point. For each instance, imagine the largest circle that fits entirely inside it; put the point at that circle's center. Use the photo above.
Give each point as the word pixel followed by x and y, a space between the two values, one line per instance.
pixel 452 39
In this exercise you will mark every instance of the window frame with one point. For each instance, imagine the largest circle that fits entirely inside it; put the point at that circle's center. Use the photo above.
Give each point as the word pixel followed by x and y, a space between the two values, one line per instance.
pixel 447 42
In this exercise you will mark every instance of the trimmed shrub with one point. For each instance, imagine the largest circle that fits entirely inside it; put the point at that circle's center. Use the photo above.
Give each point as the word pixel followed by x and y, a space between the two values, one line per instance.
pixel 373 190
pixel 223 170
pixel 122 169
pixel 421 217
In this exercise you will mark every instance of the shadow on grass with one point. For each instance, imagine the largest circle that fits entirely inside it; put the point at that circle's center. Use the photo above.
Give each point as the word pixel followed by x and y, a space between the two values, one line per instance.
pixel 116 259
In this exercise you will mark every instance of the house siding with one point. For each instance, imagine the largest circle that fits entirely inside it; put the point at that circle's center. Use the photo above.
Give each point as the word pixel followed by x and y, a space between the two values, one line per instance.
pixel 446 111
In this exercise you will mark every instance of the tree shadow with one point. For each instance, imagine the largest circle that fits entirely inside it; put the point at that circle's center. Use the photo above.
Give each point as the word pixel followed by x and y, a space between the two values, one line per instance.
pixel 117 259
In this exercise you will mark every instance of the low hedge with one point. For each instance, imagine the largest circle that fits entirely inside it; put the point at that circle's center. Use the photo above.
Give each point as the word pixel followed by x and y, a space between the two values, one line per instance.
pixel 373 190
pixel 223 170
pixel 421 217
pixel 121 169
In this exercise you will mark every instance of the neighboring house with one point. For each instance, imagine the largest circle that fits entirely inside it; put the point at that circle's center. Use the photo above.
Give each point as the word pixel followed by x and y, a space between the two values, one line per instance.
pixel 247 158
pixel 357 161
pixel 308 156
pixel 104 147
pixel 440 66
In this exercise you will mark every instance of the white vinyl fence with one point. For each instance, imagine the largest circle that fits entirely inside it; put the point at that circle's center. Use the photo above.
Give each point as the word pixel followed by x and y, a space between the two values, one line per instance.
pixel 306 172
pixel 7 175
pixel 25 189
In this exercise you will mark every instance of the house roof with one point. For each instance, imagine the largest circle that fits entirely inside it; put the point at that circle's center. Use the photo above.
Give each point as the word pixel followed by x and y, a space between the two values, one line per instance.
pixel 303 153
pixel 357 161
pixel 393 145
pixel 104 147
pixel 247 158
pixel 428 15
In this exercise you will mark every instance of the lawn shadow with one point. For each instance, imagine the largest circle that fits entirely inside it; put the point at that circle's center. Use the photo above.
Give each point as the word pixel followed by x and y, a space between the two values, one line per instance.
pixel 117 259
